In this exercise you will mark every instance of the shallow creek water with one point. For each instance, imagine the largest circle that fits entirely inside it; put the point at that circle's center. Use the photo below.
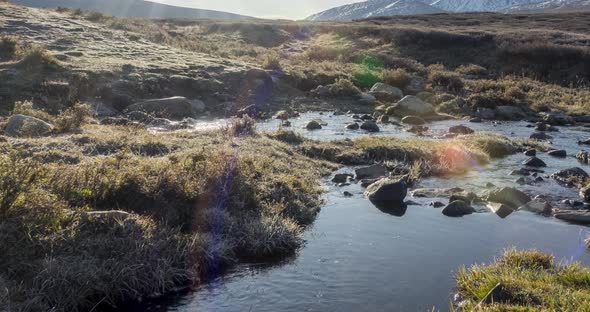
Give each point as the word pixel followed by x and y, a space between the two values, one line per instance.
pixel 358 258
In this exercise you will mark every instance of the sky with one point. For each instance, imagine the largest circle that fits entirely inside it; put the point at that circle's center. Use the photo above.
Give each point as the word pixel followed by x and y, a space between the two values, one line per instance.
pixel 289 9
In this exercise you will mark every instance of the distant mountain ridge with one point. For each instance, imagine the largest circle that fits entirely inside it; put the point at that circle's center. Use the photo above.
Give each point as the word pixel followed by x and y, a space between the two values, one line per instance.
pixel 374 8
pixel 133 8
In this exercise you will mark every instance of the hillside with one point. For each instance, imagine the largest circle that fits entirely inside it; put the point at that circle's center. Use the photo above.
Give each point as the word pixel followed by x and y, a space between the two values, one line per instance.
pixel 132 8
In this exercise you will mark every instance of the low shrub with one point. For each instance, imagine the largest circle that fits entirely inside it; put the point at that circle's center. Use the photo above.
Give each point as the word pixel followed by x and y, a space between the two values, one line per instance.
pixel 396 77
pixel 72 118
pixel 36 59
pixel 271 61
pixel 450 81
pixel 471 70
pixel 9 47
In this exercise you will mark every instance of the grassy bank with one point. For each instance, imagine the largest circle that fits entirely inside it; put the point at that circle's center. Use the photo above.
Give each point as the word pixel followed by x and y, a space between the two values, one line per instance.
pixel 527 281
pixel 193 205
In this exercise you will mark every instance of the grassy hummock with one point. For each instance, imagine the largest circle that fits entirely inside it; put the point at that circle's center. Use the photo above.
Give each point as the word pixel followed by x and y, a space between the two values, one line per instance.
pixel 530 281
pixel 193 204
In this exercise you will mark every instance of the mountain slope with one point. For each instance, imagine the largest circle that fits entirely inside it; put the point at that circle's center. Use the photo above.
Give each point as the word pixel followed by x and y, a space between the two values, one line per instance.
pixel 132 8
pixel 373 8
pixel 552 6
pixel 479 5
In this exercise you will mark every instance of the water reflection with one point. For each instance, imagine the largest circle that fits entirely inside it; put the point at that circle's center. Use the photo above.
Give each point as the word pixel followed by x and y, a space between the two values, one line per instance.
pixel 391 208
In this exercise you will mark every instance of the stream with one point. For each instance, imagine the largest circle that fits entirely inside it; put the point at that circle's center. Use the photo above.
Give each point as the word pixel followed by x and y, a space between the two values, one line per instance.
pixel 360 258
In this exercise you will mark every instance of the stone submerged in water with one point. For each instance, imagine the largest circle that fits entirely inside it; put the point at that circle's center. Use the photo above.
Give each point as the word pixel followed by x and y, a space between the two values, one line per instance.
pixel 540 136
pixel 413 120
pixel 341 177
pixel 460 129
pixel 27 126
pixel 530 152
pixel 313 125
pixel 509 196
pixel 458 208
pixel 371 172
pixel 557 153
pixel 352 126
pixel 387 192
pixel 370 126
pixel 581 217
pixel 534 162
pixel 437 204
pixel 571 177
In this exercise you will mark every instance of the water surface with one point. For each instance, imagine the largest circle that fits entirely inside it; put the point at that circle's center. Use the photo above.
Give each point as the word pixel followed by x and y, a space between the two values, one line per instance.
pixel 358 258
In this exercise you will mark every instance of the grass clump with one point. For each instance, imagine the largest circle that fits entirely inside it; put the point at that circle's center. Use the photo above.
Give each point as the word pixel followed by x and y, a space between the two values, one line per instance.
pixel 9 47
pixel 396 77
pixel 531 281
pixel 36 59
pixel 471 70
pixel 72 118
pixel 447 80
pixel 272 61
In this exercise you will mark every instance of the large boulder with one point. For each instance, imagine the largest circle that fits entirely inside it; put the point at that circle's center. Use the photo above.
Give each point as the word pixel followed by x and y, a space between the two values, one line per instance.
pixel 485 113
pixel 537 205
pixel 371 172
pixel 557 153
pixel 458 208
pixel 411 105
pixel 386 92
pixel 502 210
pixel 571 177
pixel 387 192
pixel 27 126
pixel 509 196
pixel 177 107
pixel 557 118
pixel 508 112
